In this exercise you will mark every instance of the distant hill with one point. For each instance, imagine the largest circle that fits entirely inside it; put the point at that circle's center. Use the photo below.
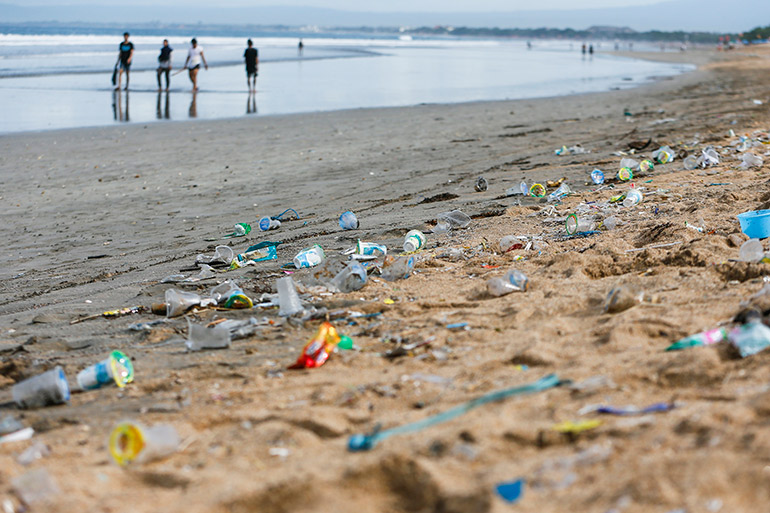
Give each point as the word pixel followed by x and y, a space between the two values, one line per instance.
pixel 690 15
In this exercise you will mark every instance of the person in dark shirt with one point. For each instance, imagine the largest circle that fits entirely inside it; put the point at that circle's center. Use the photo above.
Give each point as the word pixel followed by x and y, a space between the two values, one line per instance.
pixel 252 65
pixel 164 63
pixel 126 55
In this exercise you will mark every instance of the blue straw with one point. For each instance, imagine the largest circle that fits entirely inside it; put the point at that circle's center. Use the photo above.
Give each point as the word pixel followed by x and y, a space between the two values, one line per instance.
pixel 367 442
pixel 279 216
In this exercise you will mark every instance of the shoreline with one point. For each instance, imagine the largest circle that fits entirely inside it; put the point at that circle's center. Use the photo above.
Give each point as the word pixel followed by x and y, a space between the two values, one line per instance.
pixel 96 217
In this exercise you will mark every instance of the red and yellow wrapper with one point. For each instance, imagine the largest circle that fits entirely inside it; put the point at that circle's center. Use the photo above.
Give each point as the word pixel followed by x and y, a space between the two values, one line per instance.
pixel 318 349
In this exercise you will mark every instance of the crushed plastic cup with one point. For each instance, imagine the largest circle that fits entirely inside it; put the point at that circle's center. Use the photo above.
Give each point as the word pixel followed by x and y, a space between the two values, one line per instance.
pixel 709 157
pixel 455 219
pixel 267 223
pixel 625 174
pixel 537 190
pixel 371 249
pixel 633 197
pixel 751 251
pixel 597 176
pixel 45 389
pixel 575 224
pixel 750 338
pixel 256 253
pixel 750 160
pixel 414 240
pixel 664 155
pixel 309 257
pixel 561 192
pixel 133 442
pixel 352 277
pixel 508 242
pixel 222 254
pixel 288 299
pixel 690 162
pixel 178 302
pixel 481 184
pixel 513 281
pixel 397 268
pixel 629 163
pixel 610 223
pixel 200 337
pixel 230 295
pixel 348 221
pixel 115 369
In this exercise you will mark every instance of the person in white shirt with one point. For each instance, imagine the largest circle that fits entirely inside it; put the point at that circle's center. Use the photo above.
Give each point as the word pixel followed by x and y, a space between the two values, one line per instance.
pixel 193 62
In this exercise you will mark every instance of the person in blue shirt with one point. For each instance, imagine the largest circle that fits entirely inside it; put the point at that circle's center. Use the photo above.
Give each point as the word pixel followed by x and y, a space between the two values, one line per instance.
pixel 164 63
pixel 126 55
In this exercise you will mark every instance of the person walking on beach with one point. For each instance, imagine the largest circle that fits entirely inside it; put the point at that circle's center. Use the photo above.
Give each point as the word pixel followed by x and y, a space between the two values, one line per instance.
pixel 252 65
pixel 193 62
pixel 164 63
pixel 125 56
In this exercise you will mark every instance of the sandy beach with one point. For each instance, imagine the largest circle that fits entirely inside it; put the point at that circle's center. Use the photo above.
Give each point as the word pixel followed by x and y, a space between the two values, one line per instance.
pixel 93 219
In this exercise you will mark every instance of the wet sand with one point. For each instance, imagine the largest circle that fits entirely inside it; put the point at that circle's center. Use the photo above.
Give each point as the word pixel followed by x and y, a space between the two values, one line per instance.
pixel 94 218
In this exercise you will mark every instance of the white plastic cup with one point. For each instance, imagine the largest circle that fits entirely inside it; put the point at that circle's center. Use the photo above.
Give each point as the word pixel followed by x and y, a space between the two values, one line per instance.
pixel 414 240
pixel 266 223
pixel 45 389
pixel 309 257
pixel 134 442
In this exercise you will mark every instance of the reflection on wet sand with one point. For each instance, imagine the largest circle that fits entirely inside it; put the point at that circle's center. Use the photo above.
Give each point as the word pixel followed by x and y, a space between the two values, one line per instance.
pixel 117 110
pixel 251 103
pixel 165 112
pixel 193 107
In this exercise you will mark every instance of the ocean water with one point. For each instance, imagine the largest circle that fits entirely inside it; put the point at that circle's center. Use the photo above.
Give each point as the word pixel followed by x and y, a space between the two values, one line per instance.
pixel 50 81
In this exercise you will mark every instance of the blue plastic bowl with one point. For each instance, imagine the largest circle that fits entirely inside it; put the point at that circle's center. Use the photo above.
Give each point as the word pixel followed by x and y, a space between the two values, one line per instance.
pixel 755 223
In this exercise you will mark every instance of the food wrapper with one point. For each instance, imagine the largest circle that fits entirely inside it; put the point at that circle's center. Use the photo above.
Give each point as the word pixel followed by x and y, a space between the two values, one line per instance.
pixel 318 349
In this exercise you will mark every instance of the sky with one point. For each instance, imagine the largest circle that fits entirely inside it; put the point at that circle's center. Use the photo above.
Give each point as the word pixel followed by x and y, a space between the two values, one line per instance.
pixel 374 5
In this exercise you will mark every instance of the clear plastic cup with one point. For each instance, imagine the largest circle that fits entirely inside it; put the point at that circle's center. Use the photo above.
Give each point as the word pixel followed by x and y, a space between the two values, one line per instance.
pixel 178 302
pixel 398 269
pixel 116 368
pixel 348 221
pixel 134 442
pixel 575 224
pixel 200 337
pixel 45 389
pixel 633 197
pixel 352 277
pixel 288 299
pixel 455 219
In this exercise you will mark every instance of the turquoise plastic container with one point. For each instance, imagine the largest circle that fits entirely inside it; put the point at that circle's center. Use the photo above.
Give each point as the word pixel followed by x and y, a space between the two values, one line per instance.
pixel 755 223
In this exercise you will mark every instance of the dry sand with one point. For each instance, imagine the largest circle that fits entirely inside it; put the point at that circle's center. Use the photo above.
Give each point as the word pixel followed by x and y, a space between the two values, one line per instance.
pixel 92 219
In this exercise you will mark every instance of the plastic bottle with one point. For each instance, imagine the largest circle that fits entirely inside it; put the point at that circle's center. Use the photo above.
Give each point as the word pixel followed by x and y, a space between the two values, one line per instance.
pixel 633 197
pixel 266 223
pixel 288 299
pixel 414 240
pixel 513 281
pixel 134 442
pixel 348 221
pixel 398 268
pixel 597 177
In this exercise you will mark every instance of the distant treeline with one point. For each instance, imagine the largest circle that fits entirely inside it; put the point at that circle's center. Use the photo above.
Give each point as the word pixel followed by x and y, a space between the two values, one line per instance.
pixel 758 33
pixel 605 33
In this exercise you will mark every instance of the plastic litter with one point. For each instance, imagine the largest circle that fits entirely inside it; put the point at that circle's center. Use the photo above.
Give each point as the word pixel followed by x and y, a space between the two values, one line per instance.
pixel 288 299
pixel 48 388
pixel 510 492
pixel 481 184
pixel 629 410
pixel 361 442
pixel 570 427
pixel 371 249
pixel 751 251
pixel 750 160
pixel 397 268
pixel 750 338
pixel 597 176
pixel 629 163
pixel 522 188
pixel 414 240
pixel 200 337
pixel 240 230
pixel 348 221
pixel 664 155
pixel 633 197
pixel 621 298
pixel 755 223
pixel 230 295
pixel 690 162
pixel 709 157
pixel 309 257
pixel 572 150
pixel 269 223
pixel 115 369
pixel 537 190
pixel 560 193
pixel 703 338
pixel 222 255
pixel 11 430
pixel 454 219
pixel 257 253
pixel 34 452
pixel 178 302
pixel 575 224
pixel 352 277
pixel 133 442
pixel 646 165
pixel 625 174
pixel 320 347
pixel 513 281
pixel 35 486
